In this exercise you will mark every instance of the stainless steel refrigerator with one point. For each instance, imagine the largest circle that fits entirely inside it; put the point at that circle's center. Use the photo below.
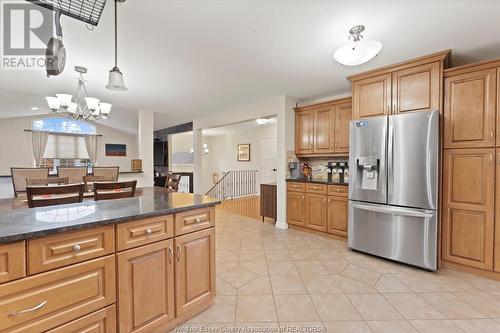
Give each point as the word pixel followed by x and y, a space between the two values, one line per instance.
pixel 393 187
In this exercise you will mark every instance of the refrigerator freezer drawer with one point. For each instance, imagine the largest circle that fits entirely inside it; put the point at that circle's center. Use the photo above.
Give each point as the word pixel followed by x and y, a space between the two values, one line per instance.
pixel 402 234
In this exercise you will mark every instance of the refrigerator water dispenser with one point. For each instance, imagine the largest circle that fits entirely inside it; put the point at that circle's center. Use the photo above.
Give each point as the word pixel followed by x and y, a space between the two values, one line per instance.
pixel 369 168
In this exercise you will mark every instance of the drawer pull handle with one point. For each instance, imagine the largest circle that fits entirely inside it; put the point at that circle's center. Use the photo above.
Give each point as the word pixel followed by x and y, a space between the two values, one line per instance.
pixel 77 248
pixel 149 231
pixel 39 306
pixel 170 254
pixel 178 252
pixel 197 220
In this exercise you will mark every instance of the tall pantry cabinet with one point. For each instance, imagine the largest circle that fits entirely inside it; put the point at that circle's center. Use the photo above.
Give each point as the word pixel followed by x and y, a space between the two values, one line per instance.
pixel 471 166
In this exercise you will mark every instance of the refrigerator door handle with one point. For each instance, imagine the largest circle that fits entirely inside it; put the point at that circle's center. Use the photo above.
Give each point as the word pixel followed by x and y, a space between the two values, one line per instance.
pixel 390 158
pixel 394 210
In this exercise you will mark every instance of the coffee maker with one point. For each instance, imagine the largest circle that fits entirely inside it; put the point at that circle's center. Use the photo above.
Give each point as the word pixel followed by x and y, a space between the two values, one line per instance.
pixel 294 168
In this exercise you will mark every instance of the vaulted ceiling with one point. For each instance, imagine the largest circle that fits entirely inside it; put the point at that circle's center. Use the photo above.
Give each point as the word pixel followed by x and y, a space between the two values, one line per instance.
pixel 186 59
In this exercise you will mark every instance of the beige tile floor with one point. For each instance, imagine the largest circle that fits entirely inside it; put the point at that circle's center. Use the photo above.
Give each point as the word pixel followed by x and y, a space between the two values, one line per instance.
pixel 270 280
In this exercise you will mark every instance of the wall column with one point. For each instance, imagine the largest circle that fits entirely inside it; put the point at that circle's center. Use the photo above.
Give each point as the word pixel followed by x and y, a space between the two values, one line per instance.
pixel 197 160
pixel 145 147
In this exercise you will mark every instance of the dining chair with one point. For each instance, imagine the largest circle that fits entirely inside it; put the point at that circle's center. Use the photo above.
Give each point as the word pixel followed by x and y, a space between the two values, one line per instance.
pixel 172 183
pixel 20 175
pixel 75 174
pixel 40 196
pixel 114 190
pixel 47 181
pixel 90 180
pixel 111 172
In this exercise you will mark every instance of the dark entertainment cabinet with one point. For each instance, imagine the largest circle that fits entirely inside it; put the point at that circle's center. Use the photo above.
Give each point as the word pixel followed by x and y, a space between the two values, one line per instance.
pixel 268 201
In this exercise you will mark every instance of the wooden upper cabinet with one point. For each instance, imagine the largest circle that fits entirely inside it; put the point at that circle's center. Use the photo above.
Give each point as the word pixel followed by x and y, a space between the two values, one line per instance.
pixel 343 116
pixel 469 110
pixel 372 96
pixel 316 207
pixel 194 270
pixel 468 207
pixel 304 131
pixel 146 287
pixel 417 88
pixel 323 130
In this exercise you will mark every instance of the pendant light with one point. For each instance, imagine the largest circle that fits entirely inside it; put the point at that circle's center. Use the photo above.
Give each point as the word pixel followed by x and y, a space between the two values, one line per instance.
pixel 359 51
pixel 115 81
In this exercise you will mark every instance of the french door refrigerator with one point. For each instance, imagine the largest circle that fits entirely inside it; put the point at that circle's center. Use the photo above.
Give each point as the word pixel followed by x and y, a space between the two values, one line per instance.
pixel 393 187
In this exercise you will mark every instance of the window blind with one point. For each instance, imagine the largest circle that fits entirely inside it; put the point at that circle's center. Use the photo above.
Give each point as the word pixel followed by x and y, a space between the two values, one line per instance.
pixel 65 146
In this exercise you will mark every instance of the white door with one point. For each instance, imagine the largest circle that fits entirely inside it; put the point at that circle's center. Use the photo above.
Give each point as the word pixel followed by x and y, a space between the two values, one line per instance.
pixel 268 166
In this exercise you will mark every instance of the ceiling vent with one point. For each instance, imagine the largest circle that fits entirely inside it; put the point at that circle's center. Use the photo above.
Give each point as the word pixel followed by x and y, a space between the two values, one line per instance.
pixel 88 11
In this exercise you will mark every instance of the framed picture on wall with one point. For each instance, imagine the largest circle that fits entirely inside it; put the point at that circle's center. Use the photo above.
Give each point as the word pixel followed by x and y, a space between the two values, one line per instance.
pixel 244 152
pixel 113 149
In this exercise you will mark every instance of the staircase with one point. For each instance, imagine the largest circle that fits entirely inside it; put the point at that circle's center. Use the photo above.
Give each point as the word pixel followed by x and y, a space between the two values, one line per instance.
pixel 234 184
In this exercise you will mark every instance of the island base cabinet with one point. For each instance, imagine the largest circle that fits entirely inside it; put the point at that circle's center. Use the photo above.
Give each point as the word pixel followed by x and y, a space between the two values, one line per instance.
pixel 146 287
pixel 194 270
pixel 102 321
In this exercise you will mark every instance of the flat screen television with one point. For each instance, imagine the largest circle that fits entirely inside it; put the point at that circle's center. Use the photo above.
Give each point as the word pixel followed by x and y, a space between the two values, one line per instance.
pixel 159 153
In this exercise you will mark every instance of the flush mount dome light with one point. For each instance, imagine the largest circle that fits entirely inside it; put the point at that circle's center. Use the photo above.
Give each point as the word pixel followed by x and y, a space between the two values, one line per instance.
pixel 359 51
pixel 261 121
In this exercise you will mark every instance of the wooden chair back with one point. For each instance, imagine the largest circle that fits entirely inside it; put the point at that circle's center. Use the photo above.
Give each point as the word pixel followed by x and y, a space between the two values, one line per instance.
pixel 75 174
pixel 114 190
pixel 172 183
pixel 47 181
pixel 20 175
pixel 40 196
pixel 110 172
pixel 90 180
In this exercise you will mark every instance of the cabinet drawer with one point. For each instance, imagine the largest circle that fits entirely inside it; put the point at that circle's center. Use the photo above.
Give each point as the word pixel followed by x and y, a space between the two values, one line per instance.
pixel 12 261
pixel 102 321
pixel 45 301
pixel 61 250
pixel 316 188
pixel 193 220
pixel 133 234
pixel 296 187
pixel 338 190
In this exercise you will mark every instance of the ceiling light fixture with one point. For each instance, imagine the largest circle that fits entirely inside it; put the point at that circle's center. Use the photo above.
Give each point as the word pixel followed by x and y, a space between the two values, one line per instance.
pixel 359 51
pixel 34 108
pixel 115 81
pixel 261 121
pixel 83 106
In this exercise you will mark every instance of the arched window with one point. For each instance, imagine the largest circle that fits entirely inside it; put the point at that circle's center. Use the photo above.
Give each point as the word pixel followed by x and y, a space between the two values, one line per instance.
pixel 66 149
pixel 62 125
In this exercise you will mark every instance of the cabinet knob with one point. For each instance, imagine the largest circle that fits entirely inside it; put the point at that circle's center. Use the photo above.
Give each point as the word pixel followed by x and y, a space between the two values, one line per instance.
pixel 149 231
pixel 77 248
pixel 338 190
pixel 197 220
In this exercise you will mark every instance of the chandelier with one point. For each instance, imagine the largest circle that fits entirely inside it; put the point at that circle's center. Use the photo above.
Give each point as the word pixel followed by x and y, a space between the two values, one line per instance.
pixel 81 106
pixel 358 51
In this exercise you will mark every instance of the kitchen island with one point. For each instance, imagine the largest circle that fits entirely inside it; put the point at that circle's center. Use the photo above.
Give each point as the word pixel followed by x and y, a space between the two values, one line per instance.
pixel 141 264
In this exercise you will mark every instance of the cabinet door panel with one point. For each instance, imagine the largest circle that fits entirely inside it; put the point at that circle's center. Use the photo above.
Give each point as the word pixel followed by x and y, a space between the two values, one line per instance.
pixel 469 110
pixel 497 212
pixel 316 211
pixel 295 208
pixel 343 116
pixel 498 108
pixel 194 270
pixel 417 88
pixel 337 215
pixel 149 272
pixel 102 321
pixel 372 96
pixel 468 207
pixel 323 130
pixel 304 128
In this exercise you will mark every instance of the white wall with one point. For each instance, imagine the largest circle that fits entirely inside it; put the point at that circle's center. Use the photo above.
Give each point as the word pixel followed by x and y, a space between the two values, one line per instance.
pixel 223 151
pixel 180 143
pixel 15 145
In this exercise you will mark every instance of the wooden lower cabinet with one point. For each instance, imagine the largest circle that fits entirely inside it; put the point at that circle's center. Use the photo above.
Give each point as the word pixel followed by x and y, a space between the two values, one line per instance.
pixel 468 207
pixel 337 215
pixel 12 261
pixel 148 271
pixel 316 207
pixel 496 265
pixel 102 321
pixel 194 270
pixel 296 208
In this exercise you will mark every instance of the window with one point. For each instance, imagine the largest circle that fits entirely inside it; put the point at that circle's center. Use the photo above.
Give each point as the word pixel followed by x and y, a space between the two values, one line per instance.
pixel 65 149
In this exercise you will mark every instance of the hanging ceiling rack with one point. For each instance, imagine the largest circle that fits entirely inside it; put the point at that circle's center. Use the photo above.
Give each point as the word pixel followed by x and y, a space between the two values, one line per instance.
pixel 88 11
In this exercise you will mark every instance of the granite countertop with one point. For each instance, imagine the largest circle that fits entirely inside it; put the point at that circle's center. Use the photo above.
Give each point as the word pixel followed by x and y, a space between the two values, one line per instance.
pixel 27 223
pixel 315 181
